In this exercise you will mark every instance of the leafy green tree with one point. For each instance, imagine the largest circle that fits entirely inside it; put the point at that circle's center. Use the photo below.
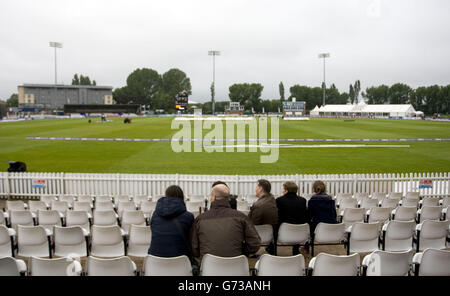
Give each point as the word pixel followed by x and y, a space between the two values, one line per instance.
pixel 13 101
pixel 281 89
pixel 377 94
pixel 249 95
pixel 357 89
pixel 75 80
pixel 352 94
pixel 144 84
pixel 399 93
pixel 175 81
pixel 123 95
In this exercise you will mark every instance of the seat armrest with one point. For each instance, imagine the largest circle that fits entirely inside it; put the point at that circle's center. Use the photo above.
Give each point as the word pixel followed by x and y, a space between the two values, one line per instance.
pixel 21 266
pixel 419 227
pixel 12 232
pixel 48 232
pixel 77 268
pixel 417 258
pixel 366 260
pixel 123 232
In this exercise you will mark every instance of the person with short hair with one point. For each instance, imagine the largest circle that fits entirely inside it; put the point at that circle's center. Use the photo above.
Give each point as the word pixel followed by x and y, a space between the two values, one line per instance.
pixel 321 207
pixel 222 231
pixel 264 210
pixel 232 197
pixel 170 225
pixel 291 209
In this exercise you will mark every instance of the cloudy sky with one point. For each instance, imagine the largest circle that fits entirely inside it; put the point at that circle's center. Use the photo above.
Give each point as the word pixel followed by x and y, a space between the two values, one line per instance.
pixel 261 41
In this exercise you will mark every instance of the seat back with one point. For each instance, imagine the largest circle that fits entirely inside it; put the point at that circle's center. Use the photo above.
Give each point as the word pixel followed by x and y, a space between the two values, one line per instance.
pixel 138 199
pixel 197 198
pixel 54 267
pixel 430 201
pixel 346 203
pixel 333 265
pixel 32 241
pixel 412 195
pixel 265 232
pixel 5 242
pixel 378 195
pixel 148 206
pixel 404 213
pixel 139 240
pixel 409 202
pixel 132 217
pixel 172 266
pixel 341 196
pixel 15 205
pixel 446 201
pixel 269 265
pixel 242 205
pixel 194 206
pixel 430 213
pixel 78 218
pixel 122 198
pixel 83 206
pixel 60 206
pixel 224 266
pixel 9 267
pixel 48 199
pixel 384 263
pixel 104 206
pixel 364 237
pixel 396 195
pixel 20 217
pixel 351 216
pixel 85 198
pixel 379 214
pixel 70 199
pixel 48 219
pixel 390 202
pixel 105 217
pixel 433 234
pixel 293 234
pixel 369 203
pixel 37 205
pixel 125 206
pixel 2 218
pixel 122 266
pixel 399 235
pixel 69 241
pixel 107 241
pixel 435 263
pixel 329 233
pixel 103 198
pixel 361 195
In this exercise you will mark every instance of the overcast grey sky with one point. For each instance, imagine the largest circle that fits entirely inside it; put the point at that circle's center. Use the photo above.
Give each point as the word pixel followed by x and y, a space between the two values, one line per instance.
pixel 261 41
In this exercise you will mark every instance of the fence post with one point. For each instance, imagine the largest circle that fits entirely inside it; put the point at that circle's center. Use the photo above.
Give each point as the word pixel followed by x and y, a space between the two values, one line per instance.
pixel 177 179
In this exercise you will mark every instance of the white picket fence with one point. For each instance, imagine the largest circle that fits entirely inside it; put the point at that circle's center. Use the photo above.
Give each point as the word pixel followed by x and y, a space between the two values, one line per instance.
pixel 23 185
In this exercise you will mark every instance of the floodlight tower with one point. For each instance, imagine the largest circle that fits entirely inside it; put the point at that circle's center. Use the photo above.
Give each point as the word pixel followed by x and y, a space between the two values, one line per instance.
pixel 56 45
pixel 324 56
pixel 214 53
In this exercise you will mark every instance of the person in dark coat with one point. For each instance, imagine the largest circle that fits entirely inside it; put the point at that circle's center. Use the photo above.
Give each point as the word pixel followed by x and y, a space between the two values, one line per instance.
pixel 291 209
pixel 170 225
pixel 321 207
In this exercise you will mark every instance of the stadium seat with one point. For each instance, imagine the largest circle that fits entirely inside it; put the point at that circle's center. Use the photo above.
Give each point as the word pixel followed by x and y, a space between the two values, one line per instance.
pixel 390 202
pixel 125 206
pixel 269 265
pixel 78 218
pixel 396 195
pixel 171 266
pixel 431 234
pixel 37 205
pixel 60 206
pixel 139 239
pixel 71 240
pixel 6 241
pixel 384 263
pixel 138 199
pixel 83 206
pixel 121 266
pixel 445 212
pixel 16 205
pixel 107 241
pixel 3 220
pixel 104 206
pixel 293 234
pixel 333 265
pixel 49 218
pixel 242 205
pixel 429 213
pixel 195 206
pixel 369 203
pixel 122 198
pixel 379 195
pixel 33 241
pixel 360 196
pixel 48 199
pixel 363 238
pixel 147 207
pixel 86 198
pixel 70 199
pixel 22 217
pixel 132 217
pixel 341 196
pixel 265 232
pixel 54 267
pixel 409 202
pixel 10 266
pixel 197 198
pixel 105 218
pixel 347 203
pixel 103 198
pixel 432 262
pixel 328 234
pixel 397 235
pixel 378 215
pixel 404 213
pixel 429 201
pixel 445 202
pixel 353 215
pixel 224 266
pixel 412 195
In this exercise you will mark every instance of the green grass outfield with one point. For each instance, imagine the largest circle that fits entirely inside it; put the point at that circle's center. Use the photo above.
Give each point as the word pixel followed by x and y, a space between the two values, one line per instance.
pixel 158 157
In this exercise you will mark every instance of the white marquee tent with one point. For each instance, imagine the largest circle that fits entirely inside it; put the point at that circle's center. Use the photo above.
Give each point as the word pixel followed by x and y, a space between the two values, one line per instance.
pixel 364 110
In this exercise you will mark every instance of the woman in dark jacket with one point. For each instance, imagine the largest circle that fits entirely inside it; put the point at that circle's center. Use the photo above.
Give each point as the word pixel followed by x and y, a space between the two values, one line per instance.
pixel 170 225
pixel 321 207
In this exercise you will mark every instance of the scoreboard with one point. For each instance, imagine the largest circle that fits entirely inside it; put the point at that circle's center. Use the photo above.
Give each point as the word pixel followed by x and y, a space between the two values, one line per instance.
pixel 182 101
pixel 294 108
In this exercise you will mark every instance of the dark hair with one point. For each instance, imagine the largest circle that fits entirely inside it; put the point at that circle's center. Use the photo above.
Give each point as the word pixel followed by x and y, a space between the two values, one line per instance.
pixel 290 187
pixel 218 183
pixel 265 185
pixel 319 187
pixel 174 191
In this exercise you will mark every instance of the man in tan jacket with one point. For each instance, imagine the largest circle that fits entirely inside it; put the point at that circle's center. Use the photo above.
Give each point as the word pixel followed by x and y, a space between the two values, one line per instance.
pixel 223 231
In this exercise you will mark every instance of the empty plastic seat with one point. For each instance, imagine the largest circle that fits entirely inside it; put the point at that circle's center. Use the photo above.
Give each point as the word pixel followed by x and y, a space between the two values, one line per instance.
pixel 412 195
pixel 347 203
pixel 15 205
pixel 409 202
pixel 132 217
pixel 107 241
pixel 60 206
pixel 269 265
pixel 121 198
pixel 2 218
pixel 328 234
pixel 360 196
pixel 105 218
pixel 147 207
pixel 37 205
pixel 122 266
pixel 351 216
pixel 70 199
pixel 369 203
pixel 396 195
pixel 22 217
pixel 242 205
pixel 379 195
pixel 48 219
pixel 83 206
pixel 194 206
pixel 404 213
pixel 86 198
pixel 390 202
pixel 445 202
pixel 33 241
pixel 167 266
pixel 293 234
pixel 138 199
pixel 54 267
pixel 139 239
pixel 6 241
pixel 71 240
pixel 104 206
pixel 398 235
pixel 224 266
pixel 265 233
pixel 78 218
pixel 197 198
pixel 363 238
pixel 430 201
pixel 341 196
pixel 429 213
pixel 10 266
pixel 103 198
pixel 431 234
pixel 384 263
pixel 432 262
pixel 378 215
pixel 333 265
pixel 48 199
pixel 125 206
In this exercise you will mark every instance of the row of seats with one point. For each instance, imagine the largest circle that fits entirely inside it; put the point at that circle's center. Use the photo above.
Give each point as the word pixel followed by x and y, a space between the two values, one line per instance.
pixel 430 262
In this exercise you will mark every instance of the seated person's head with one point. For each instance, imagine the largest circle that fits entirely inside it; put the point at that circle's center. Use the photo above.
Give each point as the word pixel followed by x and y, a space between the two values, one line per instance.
pixel 319 187
pixel 220 192
pixel 263 187
pixel 290 187
pixel 174 191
